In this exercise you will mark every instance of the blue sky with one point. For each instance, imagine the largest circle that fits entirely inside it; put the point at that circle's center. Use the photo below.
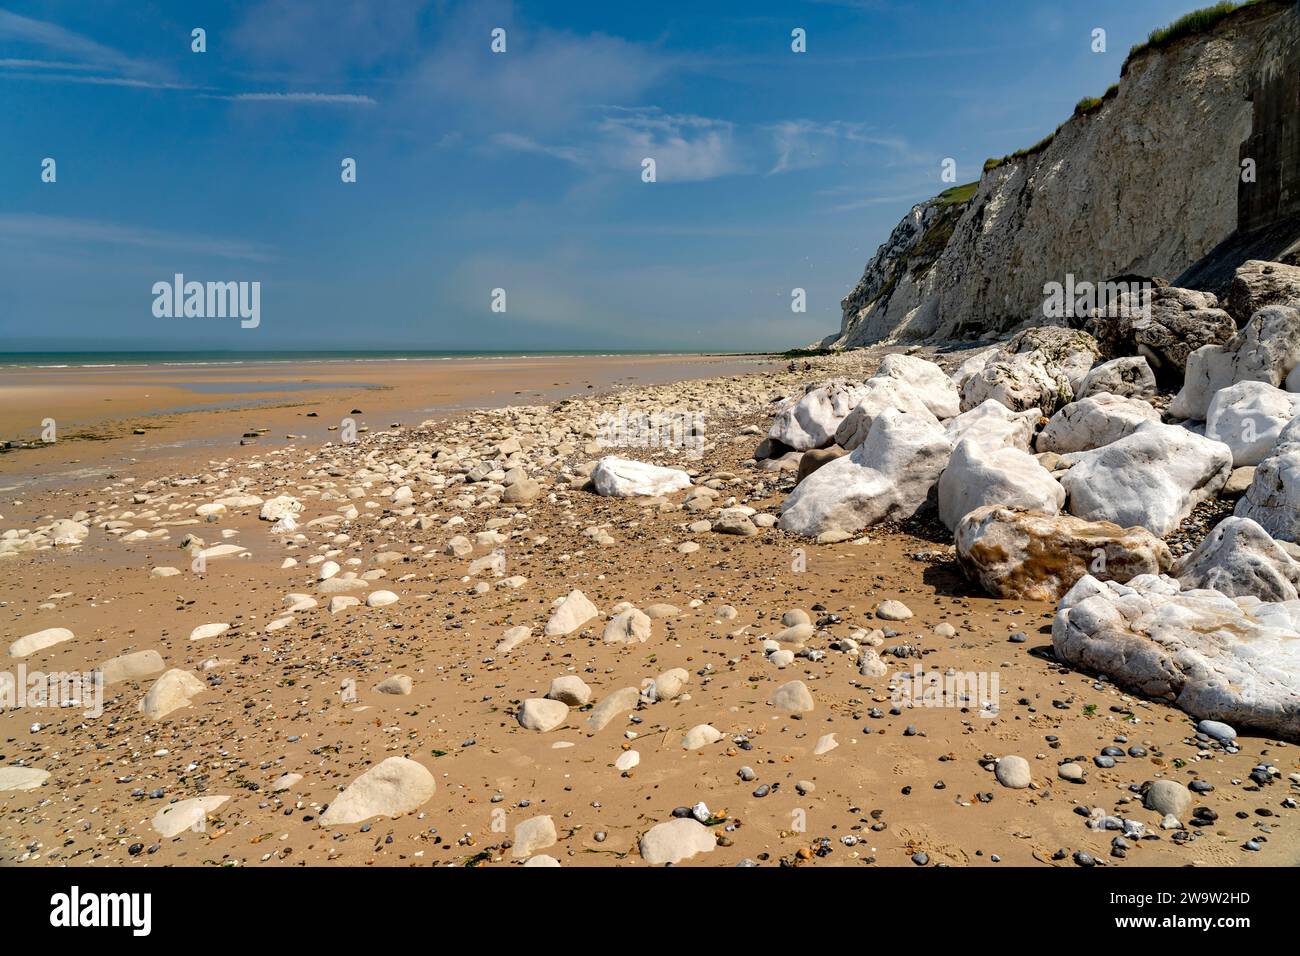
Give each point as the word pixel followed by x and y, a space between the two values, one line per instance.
pixel 520 170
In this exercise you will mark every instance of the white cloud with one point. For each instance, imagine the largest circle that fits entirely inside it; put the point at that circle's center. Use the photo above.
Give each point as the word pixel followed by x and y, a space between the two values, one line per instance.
pixel 36 228
pixel 526 144
pixel 340 99
pixel 685 148
pixel 803 144
pixel 51 36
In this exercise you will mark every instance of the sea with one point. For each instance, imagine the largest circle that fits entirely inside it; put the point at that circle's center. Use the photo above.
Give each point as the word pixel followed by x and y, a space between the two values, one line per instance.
pixel 237 358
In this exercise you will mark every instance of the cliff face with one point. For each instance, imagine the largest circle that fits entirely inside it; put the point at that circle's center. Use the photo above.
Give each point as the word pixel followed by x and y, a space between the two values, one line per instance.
pixel 1146 183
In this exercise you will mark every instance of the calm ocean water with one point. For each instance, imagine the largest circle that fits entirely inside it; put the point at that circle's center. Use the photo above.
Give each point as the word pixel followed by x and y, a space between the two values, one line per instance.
pixel 127 359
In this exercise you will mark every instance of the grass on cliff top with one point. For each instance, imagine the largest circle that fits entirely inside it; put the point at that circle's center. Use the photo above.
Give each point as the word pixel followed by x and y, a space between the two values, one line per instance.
pixel 956 195
pixel 1193 24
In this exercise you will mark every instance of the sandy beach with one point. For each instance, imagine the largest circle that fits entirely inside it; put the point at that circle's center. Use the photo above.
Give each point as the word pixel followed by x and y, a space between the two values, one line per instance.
pixel 408 611
pixel 183 408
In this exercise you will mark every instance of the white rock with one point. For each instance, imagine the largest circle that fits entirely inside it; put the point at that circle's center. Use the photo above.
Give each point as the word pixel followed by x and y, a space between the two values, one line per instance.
pixel 878 394
pixel 1238 558
pixel 398 685
pixel 611 705
pixel 513 638
pixel 39 641
pixel 623 478
pixel 381 599
pixel 391 788
pixel 1013 772
pixel 276 508
pixel 132 666
pixel 573 612
pixel 627 760
pixel 172 691
pixel 994 425
pixel 810 420
pixel 1266 349
pixel 977 476
pixel 542 715
pixel 65 533
pixel 1153 477
pixel 1093 422
pixel 175 818
pixel 22 778
pixel 1248 417
pixel 793 697
pixel 1022 381
pixel 940 394
pixel 888 477
pixel 533 834
pixel 699 736
pixel 205 631
pixel 570 689
pixel 676 840
pixel 1273 498
pixel 1130 376
pixel 1235 660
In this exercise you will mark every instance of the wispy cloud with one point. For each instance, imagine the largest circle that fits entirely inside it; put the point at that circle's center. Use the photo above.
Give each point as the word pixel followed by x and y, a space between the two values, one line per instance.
pixel 124 81
pixel 82 49
pixel 803 144
pixel 685 148
pixel 526 144
pixel 35 228
pixel 336 99
pixel 12 64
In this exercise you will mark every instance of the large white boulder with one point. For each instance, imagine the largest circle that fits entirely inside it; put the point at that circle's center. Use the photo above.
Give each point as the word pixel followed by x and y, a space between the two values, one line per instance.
pixel 926 379
pixel 1130 376
pixel 1093 422
pixel 810 420
pixel 972 365
pixel 994 425
pixel 977 476
pixel 1235 660
pixel 1266 349
pixel 1152 477
pixel 889 476
pixel 1072 351
pixel 1239 558
pixel 1025 555
pixel 617 477
pixel 1248 417
pixel 390 788
pixel 878 394
pixel 1273 498
pixel 1019 382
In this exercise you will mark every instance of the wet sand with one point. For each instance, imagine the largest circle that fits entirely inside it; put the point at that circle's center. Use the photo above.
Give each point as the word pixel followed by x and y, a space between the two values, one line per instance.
pixel 182 409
